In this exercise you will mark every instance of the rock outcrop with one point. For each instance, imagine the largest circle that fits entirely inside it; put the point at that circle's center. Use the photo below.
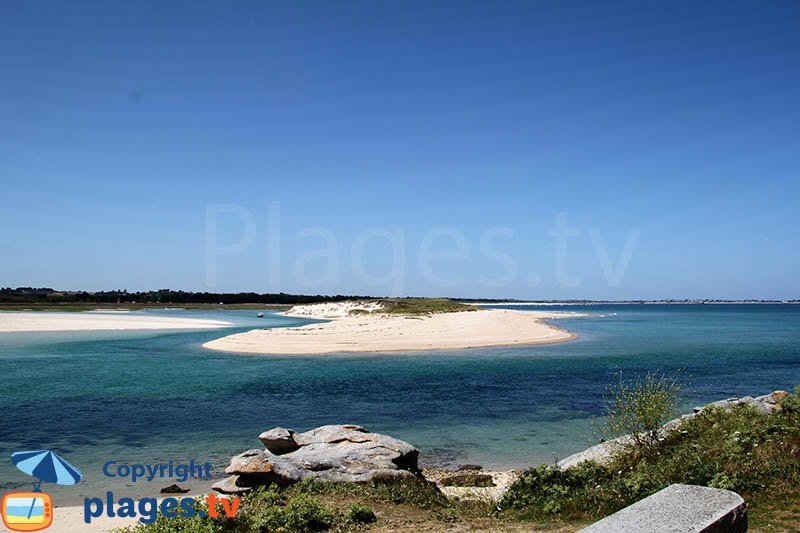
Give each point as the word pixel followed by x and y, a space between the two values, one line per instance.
pixel 769 403
pixel 327 453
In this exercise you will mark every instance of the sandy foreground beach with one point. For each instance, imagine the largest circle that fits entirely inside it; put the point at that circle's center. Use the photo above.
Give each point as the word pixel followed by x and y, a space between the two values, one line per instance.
pixel 69 519
pixel 376 332
pixel 86 321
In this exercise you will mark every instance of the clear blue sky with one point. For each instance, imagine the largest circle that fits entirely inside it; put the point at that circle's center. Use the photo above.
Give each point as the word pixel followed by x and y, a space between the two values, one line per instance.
pixel 123 123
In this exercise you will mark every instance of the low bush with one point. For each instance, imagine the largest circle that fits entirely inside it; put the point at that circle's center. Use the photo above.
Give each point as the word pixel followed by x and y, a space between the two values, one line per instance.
pixel 361 514
pixel 299 508
pixel 264 510
pixel 638 408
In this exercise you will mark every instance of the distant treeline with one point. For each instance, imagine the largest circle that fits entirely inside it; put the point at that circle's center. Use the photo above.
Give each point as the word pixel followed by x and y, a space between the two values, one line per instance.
pixel 32 295
pixel 163 296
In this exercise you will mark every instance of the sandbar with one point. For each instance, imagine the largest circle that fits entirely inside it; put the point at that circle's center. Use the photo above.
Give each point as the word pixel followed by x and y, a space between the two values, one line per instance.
pixel 371 331
pixel 13 321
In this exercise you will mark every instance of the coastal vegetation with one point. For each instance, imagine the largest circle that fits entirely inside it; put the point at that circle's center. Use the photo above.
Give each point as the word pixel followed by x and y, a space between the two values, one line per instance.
pixel 738 448
pixel 316 506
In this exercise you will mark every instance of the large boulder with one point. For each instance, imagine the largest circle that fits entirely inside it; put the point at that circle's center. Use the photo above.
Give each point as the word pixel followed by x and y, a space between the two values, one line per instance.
pixel 328 453
pixel 279 440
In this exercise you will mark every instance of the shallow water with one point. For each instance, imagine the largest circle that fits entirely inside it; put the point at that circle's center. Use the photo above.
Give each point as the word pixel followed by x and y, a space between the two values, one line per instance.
pixel 148 397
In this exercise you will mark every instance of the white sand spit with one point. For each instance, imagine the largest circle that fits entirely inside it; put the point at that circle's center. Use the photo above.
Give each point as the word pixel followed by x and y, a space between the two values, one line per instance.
pixel 48 321
pixel 395 333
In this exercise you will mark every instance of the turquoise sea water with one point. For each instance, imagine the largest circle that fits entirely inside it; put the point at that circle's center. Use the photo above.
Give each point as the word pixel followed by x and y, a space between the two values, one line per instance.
pixel 148 397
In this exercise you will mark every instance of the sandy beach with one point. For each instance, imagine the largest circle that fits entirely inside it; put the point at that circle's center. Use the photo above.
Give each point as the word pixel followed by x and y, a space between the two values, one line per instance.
pixel 70 519
pixel 370 331
pixel 87 321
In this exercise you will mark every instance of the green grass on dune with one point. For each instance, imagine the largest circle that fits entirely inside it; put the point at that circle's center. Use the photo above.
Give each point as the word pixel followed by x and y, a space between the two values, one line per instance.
pixel 423 306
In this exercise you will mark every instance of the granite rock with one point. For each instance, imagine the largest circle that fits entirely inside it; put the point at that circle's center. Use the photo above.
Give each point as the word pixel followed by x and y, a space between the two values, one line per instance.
pixel 279 440
pixel 328 453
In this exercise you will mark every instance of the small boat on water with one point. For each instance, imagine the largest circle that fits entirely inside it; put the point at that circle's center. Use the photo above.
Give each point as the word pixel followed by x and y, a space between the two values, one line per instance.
pixel 260 315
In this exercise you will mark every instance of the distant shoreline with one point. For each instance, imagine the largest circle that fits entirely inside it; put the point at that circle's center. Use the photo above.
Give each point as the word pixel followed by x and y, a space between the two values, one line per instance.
pixel 636 302
pixel 45 298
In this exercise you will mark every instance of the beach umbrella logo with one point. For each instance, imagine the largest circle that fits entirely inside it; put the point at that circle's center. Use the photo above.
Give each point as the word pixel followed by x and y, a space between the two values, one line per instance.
pixel 32 511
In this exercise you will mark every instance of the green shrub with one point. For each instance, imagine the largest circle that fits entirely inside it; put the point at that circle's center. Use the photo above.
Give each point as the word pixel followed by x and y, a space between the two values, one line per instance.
pixel 416 493
pixel 791 402
pixel 305 513
pixel 361 514
pixel 264 510
pixel 721 480
pixel 639 408
pixel 547 490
